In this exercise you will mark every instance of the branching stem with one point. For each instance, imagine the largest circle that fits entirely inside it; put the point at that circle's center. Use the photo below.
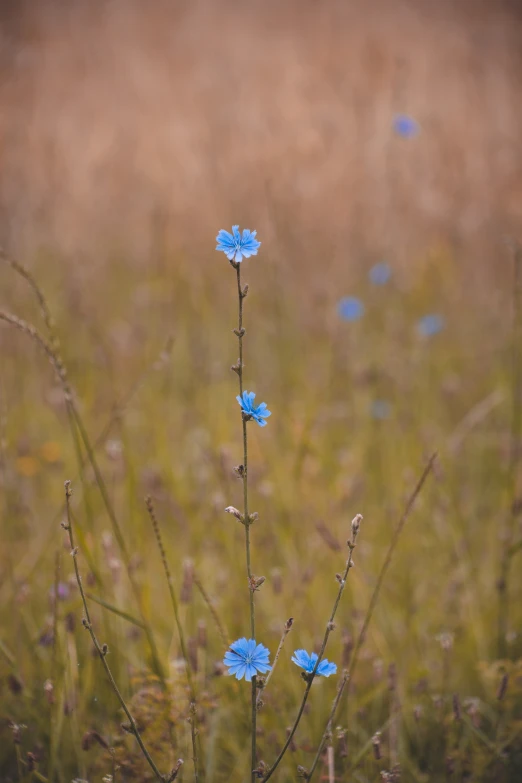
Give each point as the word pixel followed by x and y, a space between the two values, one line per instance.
pixel 329 628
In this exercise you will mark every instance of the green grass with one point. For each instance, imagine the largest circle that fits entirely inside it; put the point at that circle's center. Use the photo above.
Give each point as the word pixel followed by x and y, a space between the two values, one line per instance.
pixel 323 458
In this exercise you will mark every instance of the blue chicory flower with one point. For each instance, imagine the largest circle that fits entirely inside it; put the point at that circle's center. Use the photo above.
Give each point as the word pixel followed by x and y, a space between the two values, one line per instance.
pixel 236 246
pixel 307 662
pixel 246 658
pixel 380 273
pixel 350 308
pixel 430 325
pixel 405 126
pixel 256 412
pixel 380 409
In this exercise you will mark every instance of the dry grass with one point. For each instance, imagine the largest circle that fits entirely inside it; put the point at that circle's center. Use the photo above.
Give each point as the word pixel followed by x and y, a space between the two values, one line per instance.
pixel 128 139
pixel 119 120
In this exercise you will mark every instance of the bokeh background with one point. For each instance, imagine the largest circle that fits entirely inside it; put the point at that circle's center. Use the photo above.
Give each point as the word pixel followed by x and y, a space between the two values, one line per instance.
pixel 130 133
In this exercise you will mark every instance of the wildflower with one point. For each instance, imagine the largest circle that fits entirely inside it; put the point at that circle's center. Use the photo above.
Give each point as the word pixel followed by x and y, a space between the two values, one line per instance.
pixel 236 246
pixel 246 658
pixel 380 273
pixel 380 409
pixel 430 325
pixel 62 591
pixel 405 126
pixel 307 662
pixel 350 308
pixel 257 412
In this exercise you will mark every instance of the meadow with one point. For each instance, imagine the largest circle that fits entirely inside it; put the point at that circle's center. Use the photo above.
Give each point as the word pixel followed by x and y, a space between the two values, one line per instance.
pixel 383 330
pixel 357 408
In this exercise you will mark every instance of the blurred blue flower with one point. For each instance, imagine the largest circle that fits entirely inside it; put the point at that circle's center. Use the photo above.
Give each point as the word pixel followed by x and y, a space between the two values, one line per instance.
pixel 380 409
pixel 380 273
pixel 430 325
pixel 307 662
pixel 256 412
pixel 350 308
pixel 246 658
pixel 405 126
pixel 236 246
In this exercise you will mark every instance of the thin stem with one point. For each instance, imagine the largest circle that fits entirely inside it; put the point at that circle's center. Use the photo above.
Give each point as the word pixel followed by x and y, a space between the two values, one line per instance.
pixel 170 584
pixel 54 664
pixel 240 333
pixel 102 650
pixel 19 763
pixel 76 420
pixel 193 735
pixel 387 560
pixel 329 628
pixel 328 729
pixel 181 635
pixel 120 539
pixel 53 350
pixel 286 631
pixel 508 550
pixel 212 609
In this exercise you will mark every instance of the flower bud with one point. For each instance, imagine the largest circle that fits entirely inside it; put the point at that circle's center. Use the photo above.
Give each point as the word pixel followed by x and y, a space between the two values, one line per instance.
pixel 356 523
pixel 235 512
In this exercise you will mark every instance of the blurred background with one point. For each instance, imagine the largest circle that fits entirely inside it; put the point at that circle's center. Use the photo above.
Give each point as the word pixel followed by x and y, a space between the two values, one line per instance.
pixel 375 147
pixel 119 118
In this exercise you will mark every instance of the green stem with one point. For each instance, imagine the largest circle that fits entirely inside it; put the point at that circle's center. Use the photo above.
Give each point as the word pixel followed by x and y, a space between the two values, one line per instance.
pixel 241 296
pixel 286 631
pixel 328 730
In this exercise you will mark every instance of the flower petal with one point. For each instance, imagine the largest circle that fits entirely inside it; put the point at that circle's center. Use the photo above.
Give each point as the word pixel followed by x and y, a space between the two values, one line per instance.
pixel 301 658
pixel 240 646
pixel 232 657
pixel 241 672
pixel 250 672
pixel 262 667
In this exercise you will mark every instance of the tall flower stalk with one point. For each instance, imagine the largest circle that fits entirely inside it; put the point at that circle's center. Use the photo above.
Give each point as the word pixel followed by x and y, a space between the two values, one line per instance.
pixel 241 293
pixel 237 246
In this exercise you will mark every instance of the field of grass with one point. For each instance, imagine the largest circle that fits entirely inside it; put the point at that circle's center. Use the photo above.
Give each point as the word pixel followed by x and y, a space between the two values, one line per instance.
pixel 148 356
pixel 117 172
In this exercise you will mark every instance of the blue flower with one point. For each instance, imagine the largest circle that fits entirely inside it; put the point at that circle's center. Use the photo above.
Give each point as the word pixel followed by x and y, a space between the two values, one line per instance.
pixel 430 325
pixel 380 273
pixel 405 126
pixel 380 409
pixel 350 308
pixel 257 412
pixel 307 662
pixel 246 658
pixel 236 246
